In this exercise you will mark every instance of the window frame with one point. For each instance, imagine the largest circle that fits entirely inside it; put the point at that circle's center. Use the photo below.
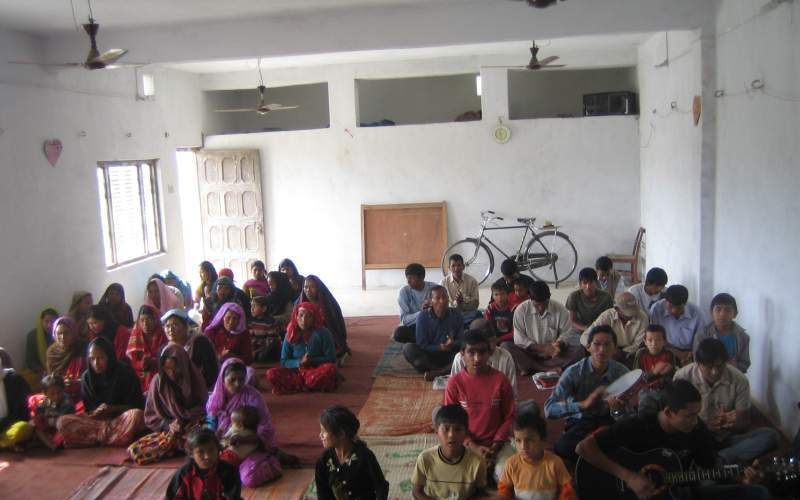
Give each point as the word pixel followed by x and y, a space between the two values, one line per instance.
pixel 107 206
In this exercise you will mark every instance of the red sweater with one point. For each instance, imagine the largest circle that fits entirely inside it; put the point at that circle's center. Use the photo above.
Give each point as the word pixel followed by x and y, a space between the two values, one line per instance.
pixel 238 345
pixel 489 401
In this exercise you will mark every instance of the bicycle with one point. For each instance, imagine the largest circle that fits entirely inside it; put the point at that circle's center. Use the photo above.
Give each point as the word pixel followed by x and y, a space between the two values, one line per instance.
pixel 549 254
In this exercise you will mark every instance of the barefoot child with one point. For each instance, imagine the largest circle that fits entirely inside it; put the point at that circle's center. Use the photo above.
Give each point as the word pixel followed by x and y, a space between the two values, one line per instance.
pixel 347 468
pixel 55 404
pixel 534 472
pixel 205 476
pixel 244 424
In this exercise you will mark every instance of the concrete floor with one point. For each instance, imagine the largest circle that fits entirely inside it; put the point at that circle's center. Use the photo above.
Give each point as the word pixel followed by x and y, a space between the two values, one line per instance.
pixel 383 301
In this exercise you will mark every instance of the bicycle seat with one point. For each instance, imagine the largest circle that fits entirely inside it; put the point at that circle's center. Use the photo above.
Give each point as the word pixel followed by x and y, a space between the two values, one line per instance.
pixel 526 220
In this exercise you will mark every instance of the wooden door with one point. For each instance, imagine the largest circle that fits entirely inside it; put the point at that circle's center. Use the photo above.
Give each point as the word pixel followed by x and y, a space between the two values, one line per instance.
pixel 232 217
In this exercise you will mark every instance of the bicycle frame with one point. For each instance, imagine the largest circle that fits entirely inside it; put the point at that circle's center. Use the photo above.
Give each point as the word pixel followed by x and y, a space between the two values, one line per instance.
pixel 532 261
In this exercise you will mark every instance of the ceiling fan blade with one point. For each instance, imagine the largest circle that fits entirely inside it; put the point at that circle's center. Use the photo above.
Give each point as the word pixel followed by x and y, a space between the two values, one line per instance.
pixel 241 110
pixel 545 66
pixel 61 65
pixel 278 107
pixel 547 60
pixel 504 67
pixel 108 57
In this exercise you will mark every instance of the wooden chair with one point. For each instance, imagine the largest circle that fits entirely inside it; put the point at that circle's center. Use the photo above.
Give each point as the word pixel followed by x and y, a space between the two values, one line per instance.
pixel 632 260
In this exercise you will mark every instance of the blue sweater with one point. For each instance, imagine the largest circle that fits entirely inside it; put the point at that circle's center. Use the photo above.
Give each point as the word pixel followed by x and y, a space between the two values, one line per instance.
pixel 320 347
pixel 432 330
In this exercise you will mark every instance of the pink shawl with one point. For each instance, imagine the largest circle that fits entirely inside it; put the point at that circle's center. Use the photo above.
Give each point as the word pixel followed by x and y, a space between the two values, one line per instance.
pixel 241 325
pixel 168 298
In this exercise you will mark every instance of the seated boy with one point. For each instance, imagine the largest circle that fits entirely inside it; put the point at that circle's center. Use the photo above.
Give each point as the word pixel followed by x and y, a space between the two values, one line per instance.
pixel 487 396
pixel 439 330
pixel 680 318
pixel 534 472
pixel 649 292
pixel 540 329
pixel 580 394
pixel 586 304
pixel 628 321
pixel 510 271
pixel 499 312
pixel 462 289
pixel 265 332
pixel 726 404
pixel 499 358
pixel 609 279
pixel 449 470
pixel 412 299
pixel 522 285
pixel 658 364
pixel 724 328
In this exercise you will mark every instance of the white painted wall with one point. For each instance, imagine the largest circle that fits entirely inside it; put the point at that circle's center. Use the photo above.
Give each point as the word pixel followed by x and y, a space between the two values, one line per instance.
pixel 548 94
pixel 757 230
pixel 52 237
pixel 670 155
pixel 580 173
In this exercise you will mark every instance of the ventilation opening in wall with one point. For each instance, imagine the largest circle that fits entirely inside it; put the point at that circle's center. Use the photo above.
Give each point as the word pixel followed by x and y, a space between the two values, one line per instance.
pixel 429 99
pixel 311 112
pixel 559 94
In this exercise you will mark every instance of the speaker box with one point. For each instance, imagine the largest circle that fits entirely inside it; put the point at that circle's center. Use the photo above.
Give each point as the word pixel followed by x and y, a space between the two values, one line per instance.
pixel 610 103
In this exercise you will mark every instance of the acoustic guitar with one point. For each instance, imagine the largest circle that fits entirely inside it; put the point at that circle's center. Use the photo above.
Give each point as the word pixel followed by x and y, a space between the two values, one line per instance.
pixel 663 467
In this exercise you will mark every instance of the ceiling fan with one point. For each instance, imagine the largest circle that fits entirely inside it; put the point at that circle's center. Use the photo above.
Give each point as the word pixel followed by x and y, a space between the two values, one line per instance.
pixel 541 3
pixel 535 63
pixel 94 59
pixel 262 108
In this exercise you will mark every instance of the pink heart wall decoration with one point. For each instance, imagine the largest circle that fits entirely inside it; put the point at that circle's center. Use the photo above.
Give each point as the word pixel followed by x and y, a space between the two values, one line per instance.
pixel 52 151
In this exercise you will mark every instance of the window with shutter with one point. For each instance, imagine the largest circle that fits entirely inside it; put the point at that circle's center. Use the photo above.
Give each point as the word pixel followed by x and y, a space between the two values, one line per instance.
pixel 130 212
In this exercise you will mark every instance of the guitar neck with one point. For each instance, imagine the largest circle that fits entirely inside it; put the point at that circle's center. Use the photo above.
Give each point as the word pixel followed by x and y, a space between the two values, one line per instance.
pixel 716 474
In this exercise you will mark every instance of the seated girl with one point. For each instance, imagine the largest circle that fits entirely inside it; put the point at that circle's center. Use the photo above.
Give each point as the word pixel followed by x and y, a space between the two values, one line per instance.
pixel 161 297
pixel 314 290
pixel 36 343
pixel 208 276
pixel 112 401
pixel 201 351
pixel 102 324
pixel 176 402
pixel 174 281
pixel 65 357
pixel 50 406
pixel 114 300
pixel 79 311
pixel 279 301
pixel 258 284
pixel 231 392
pixel 229 335
pixel 308 356
pixel 205 476
pixel 296 279
pixel 225 292
pixel 14 427
pixel 146 340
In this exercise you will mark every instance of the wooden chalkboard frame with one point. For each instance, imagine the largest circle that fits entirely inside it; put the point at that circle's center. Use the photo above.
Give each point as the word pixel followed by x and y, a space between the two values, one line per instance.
pixel 438 210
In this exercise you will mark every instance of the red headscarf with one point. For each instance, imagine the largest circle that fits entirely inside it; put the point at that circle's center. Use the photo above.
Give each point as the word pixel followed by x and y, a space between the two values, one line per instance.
pixel 226 271
pixel 293 332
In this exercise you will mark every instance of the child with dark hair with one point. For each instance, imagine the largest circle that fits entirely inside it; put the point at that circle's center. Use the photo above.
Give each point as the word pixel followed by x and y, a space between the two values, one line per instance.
pixel 510 271
pixel 608 279
pixel 462 289
pixel 658 364
pixel 413 298
pixel 265 332
pixel 437 337
pixel 500 313
pixel 347 468
pixel 534 472
pixel 258 284
pixel 522 285
pixel 450 469
pixel 649 292
pixel 680 318
pixel 205 476
pixel 586 304
pixel 55 403
pixel 244 424
pixel 723 327
pixel 488 398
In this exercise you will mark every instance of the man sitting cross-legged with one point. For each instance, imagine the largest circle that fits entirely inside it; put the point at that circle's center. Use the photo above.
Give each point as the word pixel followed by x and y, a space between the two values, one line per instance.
pixel 677 428
pixel 540 326
pixel 439 330
pixel 413 298
pixel 462 289
pixel 628 321
pixel 580 394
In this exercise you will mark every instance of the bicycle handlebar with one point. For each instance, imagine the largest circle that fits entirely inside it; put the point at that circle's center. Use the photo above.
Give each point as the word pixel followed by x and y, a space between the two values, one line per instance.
pixel 489 215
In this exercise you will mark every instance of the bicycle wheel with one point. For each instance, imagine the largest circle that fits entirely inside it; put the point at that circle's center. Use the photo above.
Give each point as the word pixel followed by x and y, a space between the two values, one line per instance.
pixel 551 257
pixel 478 259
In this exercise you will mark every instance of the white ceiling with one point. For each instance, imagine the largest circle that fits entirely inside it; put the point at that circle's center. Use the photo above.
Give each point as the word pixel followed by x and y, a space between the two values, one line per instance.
pixel 48 16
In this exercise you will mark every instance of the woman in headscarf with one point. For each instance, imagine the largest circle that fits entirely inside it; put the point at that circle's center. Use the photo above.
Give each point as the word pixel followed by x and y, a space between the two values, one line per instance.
pixel 146 340
pixel 228 332
pixel 114 299
pixel 160 297
pixel 288 268
pixel 176 404
pixel 201 351
pixel 308 356
pixel 173 280
pixel 224 292
pixel 208 276
pixel 36 343
pixel 65 356
pixel 14 426
pixel 314 290
pixel 111 398
pixel 102 324
pixel 79 311
pixel 232 392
